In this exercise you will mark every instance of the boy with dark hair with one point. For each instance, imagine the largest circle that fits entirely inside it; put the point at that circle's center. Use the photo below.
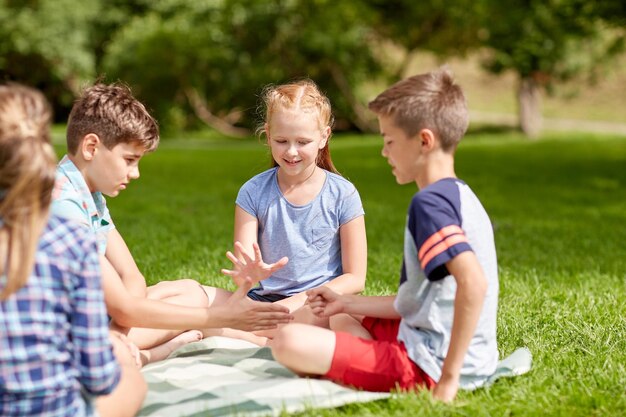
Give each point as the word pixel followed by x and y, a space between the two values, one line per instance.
pixel 439 331
pixel 108 133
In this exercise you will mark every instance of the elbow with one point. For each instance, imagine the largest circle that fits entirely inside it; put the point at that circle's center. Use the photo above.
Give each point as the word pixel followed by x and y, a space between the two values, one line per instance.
pixel 359 283
pixel 480 288
pixel 123 316
pixel 102 387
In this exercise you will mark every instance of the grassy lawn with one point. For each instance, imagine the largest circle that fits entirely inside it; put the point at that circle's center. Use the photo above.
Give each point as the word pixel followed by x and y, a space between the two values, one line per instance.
pixel 559 211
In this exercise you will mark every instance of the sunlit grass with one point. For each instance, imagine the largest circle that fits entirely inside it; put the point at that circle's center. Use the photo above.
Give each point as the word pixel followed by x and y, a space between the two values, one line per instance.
pixel 559 210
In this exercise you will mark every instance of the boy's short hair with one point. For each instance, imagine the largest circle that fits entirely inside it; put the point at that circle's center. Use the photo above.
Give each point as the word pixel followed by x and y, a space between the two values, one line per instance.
pixel 112 113
pixel 426 101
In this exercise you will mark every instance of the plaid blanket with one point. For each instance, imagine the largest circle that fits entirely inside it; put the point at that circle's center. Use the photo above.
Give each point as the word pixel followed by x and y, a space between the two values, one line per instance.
pixel 219 376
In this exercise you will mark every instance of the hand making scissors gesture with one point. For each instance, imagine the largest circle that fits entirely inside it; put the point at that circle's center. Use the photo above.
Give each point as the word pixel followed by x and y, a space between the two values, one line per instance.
pixel 253 267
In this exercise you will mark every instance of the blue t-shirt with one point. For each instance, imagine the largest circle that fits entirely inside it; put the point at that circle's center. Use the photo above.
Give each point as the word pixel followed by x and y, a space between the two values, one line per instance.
pixel 445 219
pixel 308 234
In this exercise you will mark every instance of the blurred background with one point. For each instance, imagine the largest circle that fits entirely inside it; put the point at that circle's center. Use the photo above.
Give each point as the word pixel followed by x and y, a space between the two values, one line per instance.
pixel 201 64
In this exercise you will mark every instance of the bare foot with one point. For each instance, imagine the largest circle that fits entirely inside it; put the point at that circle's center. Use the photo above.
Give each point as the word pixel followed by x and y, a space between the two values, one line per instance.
pixel 158 353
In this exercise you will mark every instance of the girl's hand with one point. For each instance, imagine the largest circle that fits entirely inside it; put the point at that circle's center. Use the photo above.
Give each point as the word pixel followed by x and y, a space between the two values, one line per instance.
pixel 248 267
pixel 324 302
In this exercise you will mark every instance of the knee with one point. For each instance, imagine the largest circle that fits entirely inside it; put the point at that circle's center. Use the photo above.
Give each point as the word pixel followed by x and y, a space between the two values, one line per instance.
pixel 286 342
pixel 195 289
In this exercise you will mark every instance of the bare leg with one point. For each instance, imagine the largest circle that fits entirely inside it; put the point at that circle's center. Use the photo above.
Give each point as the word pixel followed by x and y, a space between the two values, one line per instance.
pixel 349 324
pixel 184 292
pixel 162 351
pixel 127 397
pixel 304 349
pixel 302 315
pixel 237 334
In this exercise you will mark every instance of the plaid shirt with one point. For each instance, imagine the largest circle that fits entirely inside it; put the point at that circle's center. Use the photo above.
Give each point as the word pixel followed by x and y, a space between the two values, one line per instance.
pixel 54 342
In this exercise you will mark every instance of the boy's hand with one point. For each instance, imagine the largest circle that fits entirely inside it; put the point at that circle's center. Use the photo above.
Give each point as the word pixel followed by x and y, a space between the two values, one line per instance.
pixel 248 267
pixel 246 314
pixel 124 350
pixel 446 389
pixel 324 302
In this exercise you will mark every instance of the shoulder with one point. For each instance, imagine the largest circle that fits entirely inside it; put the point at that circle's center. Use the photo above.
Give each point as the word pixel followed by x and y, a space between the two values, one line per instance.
pixel 65 192
pixel 442 195
pixel 260 180
pixel 339 183
pixel 66 238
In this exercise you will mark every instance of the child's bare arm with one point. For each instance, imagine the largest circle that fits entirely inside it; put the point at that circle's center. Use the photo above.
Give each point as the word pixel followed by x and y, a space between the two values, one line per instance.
pixel 353 258
pixel 238 312
pixel 120 259
pixel 470 295
pixel 246 228
pixel 325 303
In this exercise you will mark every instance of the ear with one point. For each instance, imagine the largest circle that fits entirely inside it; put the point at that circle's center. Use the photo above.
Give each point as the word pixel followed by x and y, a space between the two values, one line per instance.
pixel 427 139
pixel 89 146
pixel 325 137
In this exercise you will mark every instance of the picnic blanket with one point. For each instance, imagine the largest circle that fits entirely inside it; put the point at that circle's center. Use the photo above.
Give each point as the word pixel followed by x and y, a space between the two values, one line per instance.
pixel 219 376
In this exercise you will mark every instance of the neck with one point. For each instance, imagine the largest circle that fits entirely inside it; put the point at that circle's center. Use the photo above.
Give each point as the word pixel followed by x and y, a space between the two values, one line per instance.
pixel 438 167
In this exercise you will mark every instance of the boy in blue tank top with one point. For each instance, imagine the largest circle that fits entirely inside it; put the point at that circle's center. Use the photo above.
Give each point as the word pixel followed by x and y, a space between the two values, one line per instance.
pixel 439 331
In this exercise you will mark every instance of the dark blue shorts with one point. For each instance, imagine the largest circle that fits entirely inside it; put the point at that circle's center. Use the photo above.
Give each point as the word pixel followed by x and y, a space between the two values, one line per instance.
pixel 266 298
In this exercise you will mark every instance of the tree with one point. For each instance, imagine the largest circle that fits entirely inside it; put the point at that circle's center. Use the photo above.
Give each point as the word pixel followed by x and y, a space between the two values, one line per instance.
pixel 213 57
pixel 441 27
pixel 544 42
pixel 46 43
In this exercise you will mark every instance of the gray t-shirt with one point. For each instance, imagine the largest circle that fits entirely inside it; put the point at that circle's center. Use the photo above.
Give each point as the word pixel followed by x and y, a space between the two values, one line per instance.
pixel 445 219
pixel 308 234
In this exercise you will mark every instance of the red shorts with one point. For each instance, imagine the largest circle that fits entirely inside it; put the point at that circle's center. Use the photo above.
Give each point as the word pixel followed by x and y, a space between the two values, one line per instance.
pixel 381 364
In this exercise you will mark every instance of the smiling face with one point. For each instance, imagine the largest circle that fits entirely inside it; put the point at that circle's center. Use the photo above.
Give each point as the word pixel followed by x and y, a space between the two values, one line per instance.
pixel 111 170
pixel 403 153
pixel 295 139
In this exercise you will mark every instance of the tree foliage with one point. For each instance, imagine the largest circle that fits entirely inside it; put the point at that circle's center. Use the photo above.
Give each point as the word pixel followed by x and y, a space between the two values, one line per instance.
pixel 207 60
pixel 213 56
pixel 48 44
pixel 545 42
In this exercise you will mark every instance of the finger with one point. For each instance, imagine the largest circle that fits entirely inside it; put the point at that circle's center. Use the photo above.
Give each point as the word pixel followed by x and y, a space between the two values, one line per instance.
pixel 233 258
pixel 311 297
pixel 279 264
pixel 271 308
pixel 244 254
pixel 315 292
pixel 244 287
pixel 258 327
pixel 257 252
pixel 229 272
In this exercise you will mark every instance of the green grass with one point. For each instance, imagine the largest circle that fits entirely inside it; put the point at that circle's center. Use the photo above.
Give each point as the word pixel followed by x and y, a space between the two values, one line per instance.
pixel 559 210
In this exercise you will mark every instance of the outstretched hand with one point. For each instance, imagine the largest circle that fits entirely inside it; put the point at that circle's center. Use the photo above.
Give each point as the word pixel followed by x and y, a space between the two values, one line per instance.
pixel 246 314
pixel 324 302
pixel 250 267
